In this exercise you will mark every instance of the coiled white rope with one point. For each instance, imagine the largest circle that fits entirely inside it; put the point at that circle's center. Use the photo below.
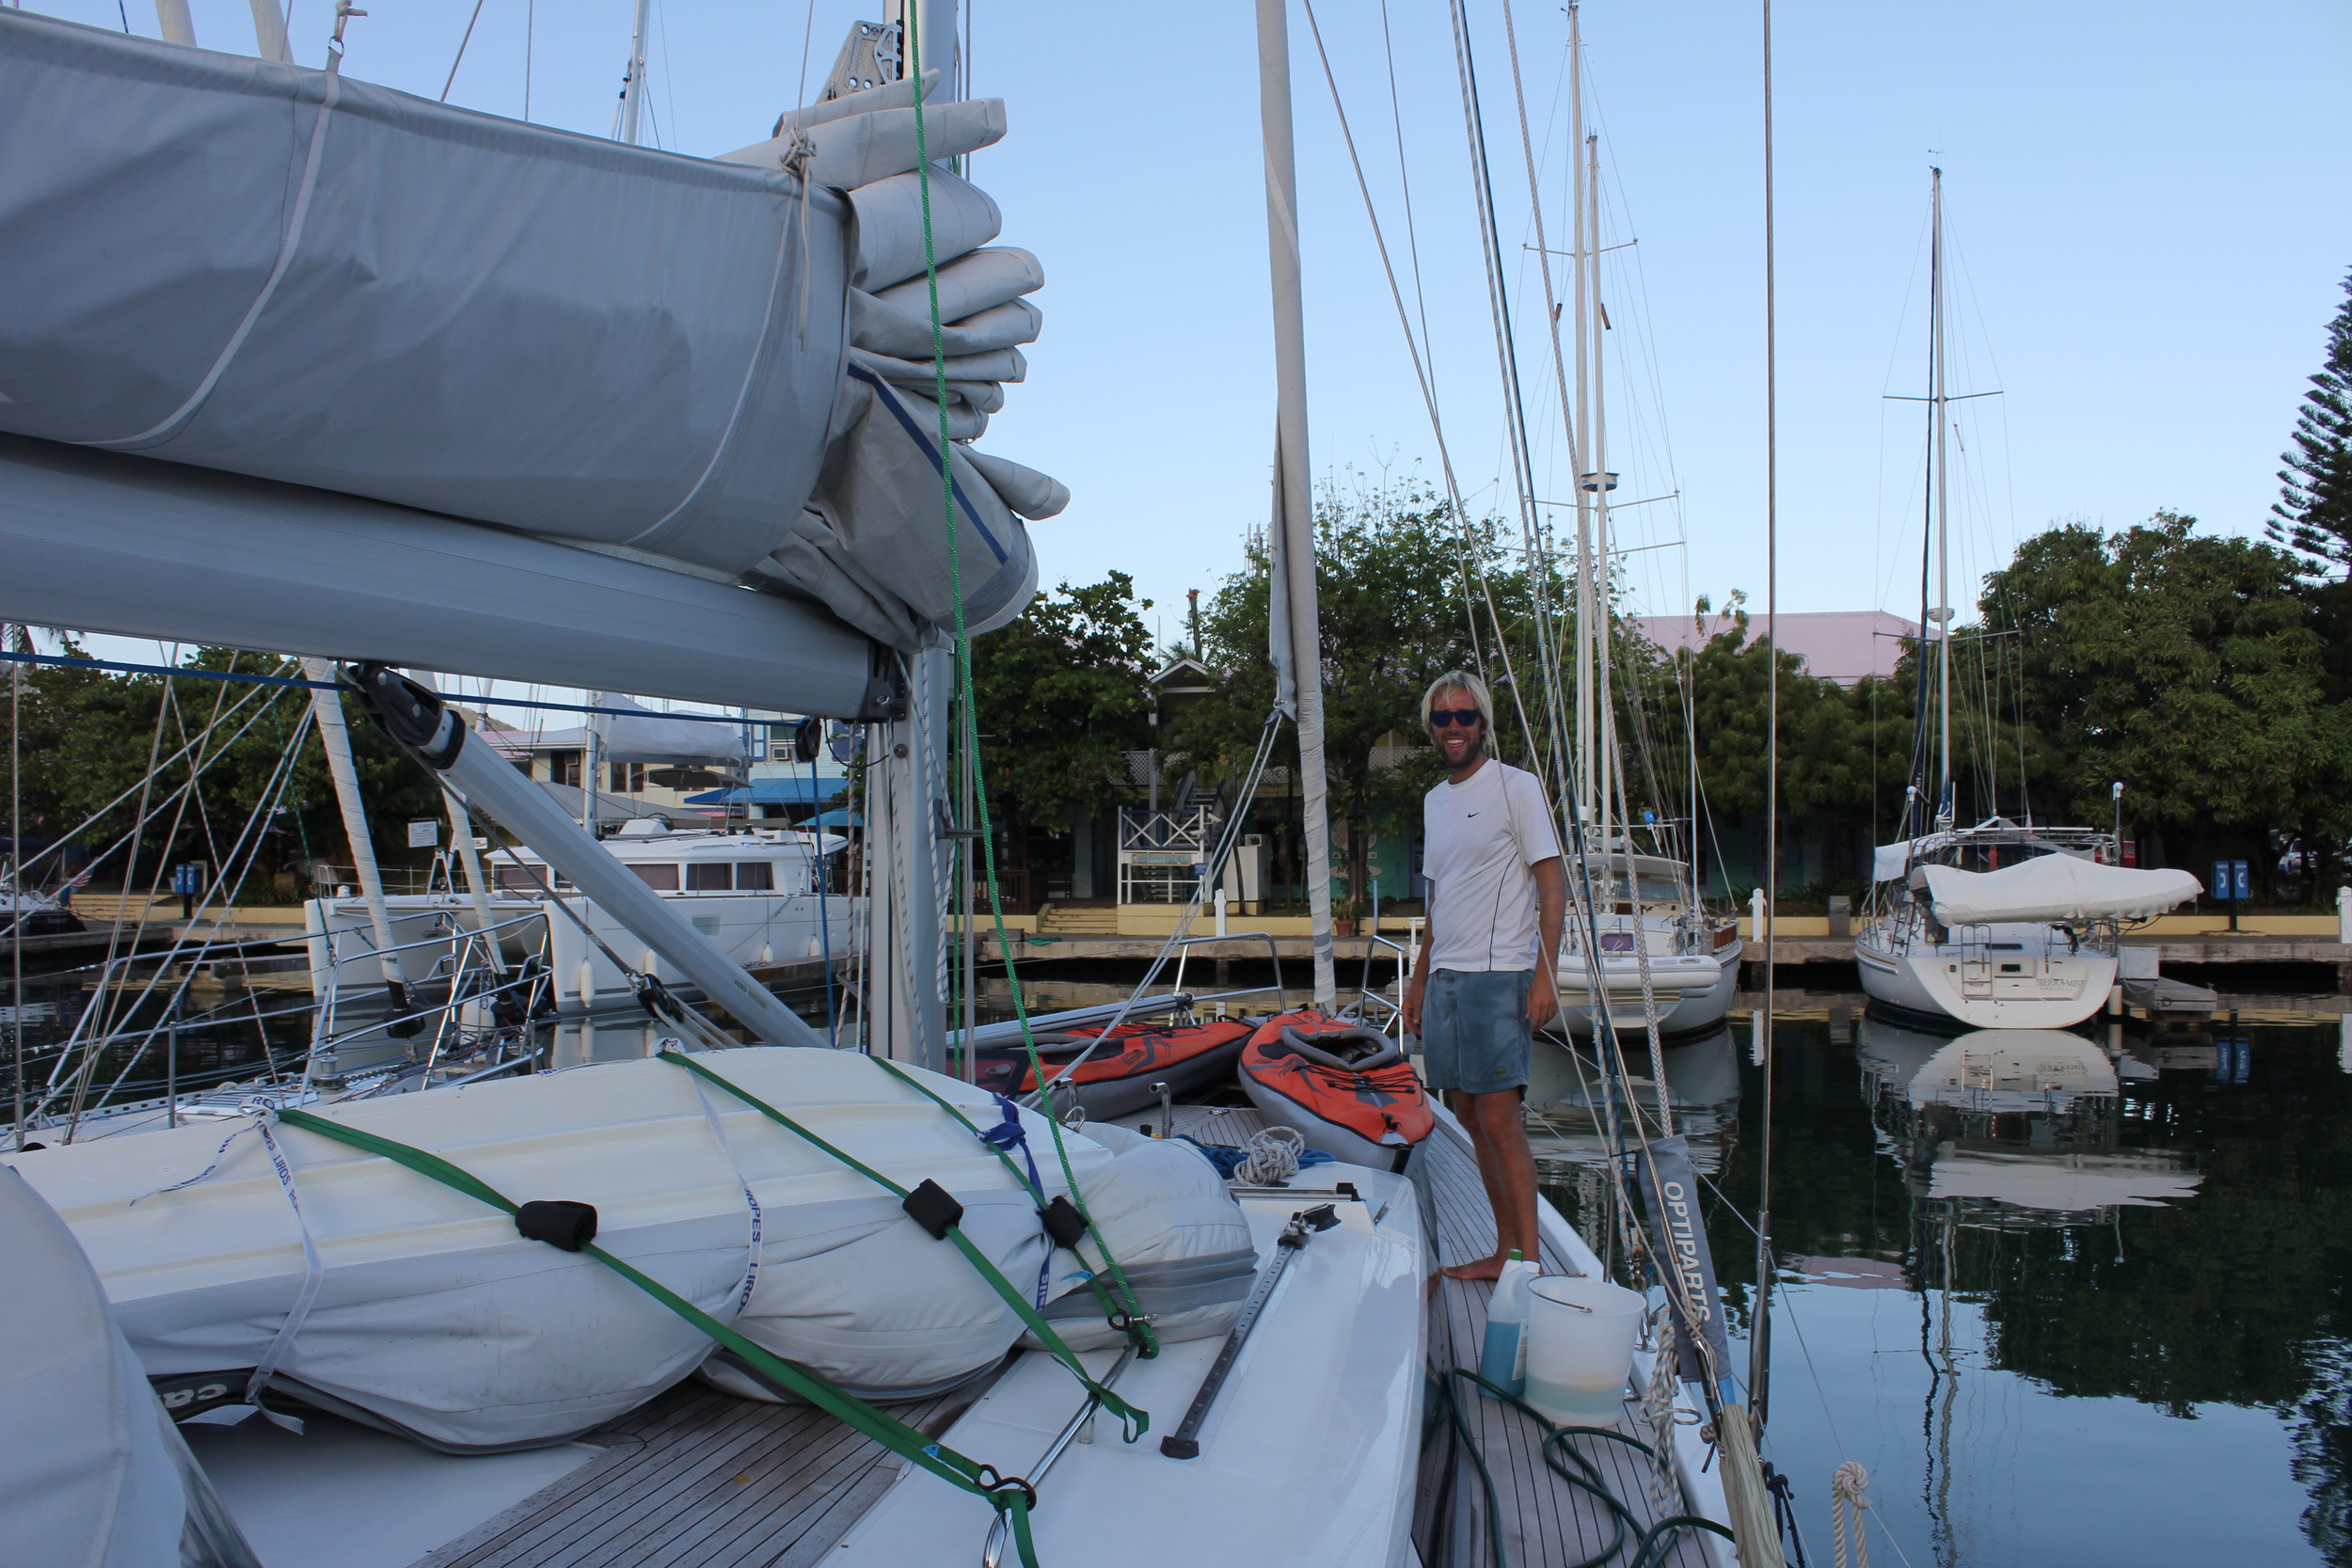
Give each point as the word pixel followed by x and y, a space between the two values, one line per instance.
pixel 1657 1405
pixel 1846 1502
pixel 1273 1157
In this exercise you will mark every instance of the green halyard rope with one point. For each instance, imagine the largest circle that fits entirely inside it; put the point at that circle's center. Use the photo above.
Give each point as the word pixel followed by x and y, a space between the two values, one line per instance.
pixel 1136 1422
pixel 1008 1496
pixel 1146 1342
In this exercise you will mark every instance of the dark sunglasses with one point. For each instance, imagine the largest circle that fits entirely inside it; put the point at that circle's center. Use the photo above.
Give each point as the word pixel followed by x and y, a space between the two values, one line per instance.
pixel 1440 716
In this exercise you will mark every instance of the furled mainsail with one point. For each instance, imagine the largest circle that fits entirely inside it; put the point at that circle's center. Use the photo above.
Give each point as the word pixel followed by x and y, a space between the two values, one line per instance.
pixel 249 266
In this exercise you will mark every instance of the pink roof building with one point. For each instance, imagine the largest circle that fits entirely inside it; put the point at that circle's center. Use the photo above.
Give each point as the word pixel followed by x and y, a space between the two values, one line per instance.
pixel 1842 645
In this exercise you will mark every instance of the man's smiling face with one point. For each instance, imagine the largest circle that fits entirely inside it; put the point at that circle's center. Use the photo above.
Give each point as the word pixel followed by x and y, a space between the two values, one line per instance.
pixel 1455 726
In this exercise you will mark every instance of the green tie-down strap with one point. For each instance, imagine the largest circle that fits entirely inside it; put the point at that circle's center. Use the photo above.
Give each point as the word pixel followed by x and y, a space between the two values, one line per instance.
pixel 1009 1496
pixel 1134 1422
pixel 1138 1327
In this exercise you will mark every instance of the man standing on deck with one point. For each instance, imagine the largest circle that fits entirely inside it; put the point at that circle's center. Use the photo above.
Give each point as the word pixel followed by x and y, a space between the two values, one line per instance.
pixel 1485 979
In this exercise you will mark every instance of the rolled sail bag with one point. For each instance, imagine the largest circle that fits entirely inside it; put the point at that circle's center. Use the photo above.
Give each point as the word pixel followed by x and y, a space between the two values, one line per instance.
pixel 434 1317
pixel 1177 1234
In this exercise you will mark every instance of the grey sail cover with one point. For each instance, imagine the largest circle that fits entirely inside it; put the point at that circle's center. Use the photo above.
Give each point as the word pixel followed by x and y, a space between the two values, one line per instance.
pixel 250 266
pixel 644 736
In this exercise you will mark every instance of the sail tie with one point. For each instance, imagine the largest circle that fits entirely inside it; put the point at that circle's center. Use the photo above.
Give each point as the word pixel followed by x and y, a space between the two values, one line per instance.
pixel 173 422
pixel 260 1114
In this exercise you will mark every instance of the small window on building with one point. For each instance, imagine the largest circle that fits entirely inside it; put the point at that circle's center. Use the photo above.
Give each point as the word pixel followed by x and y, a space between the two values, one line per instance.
pixel 522 765
pixel 708 877
pixel 564 767
pixel 514 879
pixel 755 876
pixel 663 879
pixel 628 778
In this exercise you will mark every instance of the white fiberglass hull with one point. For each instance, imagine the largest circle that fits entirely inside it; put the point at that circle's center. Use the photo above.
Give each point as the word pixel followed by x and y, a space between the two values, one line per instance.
pixel 1692 992
pixel 1996 977
pixel 1307 1456
pixel 759 930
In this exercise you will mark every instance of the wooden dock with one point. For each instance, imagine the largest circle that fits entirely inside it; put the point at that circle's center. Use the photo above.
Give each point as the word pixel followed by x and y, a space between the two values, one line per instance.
pixel 698 1479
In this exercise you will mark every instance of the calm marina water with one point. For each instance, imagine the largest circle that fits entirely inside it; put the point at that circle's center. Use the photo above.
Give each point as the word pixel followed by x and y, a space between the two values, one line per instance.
pixel 2059 1317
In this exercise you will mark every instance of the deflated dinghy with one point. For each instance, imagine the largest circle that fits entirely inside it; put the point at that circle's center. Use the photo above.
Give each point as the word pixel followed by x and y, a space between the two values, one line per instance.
pixel 91 1469
pixel 1182 1243
pixel 1118 1079
pixel 423 1311
pixel 1346 1086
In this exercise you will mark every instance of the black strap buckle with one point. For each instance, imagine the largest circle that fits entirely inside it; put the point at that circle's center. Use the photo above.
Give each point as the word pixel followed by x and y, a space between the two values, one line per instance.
pixel 990 1482
pixel 1063 1224
pixel 933 1207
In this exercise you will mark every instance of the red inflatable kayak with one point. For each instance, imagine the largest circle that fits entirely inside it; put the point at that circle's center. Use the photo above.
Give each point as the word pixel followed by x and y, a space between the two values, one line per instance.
pixel 1117 1080
pixel 1346 1086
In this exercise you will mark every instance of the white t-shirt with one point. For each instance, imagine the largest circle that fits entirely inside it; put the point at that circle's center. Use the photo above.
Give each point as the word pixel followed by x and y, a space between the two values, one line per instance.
pixel 1482 835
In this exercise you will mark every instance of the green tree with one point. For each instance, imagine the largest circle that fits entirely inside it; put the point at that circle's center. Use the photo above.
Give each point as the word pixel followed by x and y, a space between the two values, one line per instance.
pixel 2313 512
pixel 87 738
pixel 2187 666
pixel 1389 584
pixel 1825 758
pixel 1064 695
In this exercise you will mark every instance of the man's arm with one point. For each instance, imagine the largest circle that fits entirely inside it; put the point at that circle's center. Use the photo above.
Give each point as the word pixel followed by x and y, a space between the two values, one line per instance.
pixel 1551 906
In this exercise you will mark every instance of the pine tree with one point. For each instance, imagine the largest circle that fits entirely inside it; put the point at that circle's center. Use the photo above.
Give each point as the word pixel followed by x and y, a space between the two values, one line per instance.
pixel 2313 512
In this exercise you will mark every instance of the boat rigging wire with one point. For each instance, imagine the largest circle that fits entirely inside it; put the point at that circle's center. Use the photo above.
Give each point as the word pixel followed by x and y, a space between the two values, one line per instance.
pixel 1138 1327
pixel 1760 1333
pixel 240 678
pixel 451 80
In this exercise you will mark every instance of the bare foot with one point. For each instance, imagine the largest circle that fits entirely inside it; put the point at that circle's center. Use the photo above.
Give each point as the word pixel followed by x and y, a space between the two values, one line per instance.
pixel 1485 1268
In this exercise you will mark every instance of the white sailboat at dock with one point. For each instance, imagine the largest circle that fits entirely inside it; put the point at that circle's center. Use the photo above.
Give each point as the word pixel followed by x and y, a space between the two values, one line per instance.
pixel 2000 926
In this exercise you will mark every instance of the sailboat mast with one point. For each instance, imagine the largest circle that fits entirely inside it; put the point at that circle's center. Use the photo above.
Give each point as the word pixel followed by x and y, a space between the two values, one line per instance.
pixel 633 91
pixel 1581 244
pixel 1597 482
pixel 1295 577
pixel 1945 804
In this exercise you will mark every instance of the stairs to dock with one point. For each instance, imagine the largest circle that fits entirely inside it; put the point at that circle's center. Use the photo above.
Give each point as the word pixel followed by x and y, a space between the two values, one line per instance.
pixel 1078 920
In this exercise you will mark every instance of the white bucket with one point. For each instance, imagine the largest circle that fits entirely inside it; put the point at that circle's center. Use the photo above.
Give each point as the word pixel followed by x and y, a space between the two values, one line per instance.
pixel 1582 1331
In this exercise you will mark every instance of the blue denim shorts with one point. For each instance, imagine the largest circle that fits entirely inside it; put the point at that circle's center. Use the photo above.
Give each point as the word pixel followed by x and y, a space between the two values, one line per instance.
pixel 1475 1035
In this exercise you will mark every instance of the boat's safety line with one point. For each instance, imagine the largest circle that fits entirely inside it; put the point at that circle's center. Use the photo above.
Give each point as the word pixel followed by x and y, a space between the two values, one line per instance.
pixel 1009 1496
pixel 931 1207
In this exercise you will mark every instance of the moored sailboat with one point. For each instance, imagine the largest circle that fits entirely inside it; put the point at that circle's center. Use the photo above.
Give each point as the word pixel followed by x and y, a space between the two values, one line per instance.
pixel 1998 925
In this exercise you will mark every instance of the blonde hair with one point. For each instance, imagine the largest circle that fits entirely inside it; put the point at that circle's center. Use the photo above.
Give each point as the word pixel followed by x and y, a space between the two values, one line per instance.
pixel 1462 681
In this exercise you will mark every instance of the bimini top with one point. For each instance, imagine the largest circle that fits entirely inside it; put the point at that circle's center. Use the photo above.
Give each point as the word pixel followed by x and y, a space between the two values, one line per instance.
pixel 2054 887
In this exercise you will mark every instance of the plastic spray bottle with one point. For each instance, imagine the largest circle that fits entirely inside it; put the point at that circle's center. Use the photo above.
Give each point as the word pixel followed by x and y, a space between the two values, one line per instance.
pixel 1502 1360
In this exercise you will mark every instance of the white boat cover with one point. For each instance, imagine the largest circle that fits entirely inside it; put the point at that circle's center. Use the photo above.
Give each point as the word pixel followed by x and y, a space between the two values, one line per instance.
pixel 658 738
pixel 1889 862
pixel 273 271
pixel 1180 1238
pixel 2055 887
pixel 91 1471
pixel 434 1317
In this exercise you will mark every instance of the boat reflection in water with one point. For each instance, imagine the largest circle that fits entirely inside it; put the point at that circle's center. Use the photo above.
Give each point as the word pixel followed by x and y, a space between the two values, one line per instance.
pixel 1563 1085
pixel 2009 1128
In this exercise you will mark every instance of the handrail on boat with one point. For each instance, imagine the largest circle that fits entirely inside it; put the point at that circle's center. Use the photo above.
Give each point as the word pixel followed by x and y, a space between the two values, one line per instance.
pixel 1282 993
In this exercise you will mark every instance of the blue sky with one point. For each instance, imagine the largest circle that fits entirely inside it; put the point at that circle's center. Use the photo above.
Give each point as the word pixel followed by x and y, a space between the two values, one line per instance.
pixel 2148 205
